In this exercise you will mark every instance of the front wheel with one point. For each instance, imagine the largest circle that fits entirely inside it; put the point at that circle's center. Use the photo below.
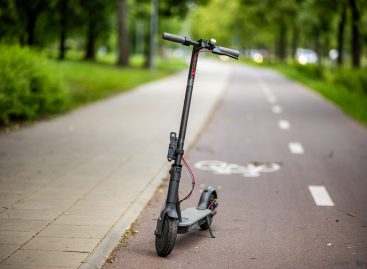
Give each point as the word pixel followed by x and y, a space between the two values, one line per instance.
pixel 166 242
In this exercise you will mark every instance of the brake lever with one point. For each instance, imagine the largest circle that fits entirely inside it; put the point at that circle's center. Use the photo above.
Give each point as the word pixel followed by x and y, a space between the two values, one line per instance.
pixel 219 52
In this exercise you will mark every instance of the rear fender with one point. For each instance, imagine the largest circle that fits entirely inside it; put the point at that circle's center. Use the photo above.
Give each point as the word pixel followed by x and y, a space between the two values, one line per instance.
pixel 205 197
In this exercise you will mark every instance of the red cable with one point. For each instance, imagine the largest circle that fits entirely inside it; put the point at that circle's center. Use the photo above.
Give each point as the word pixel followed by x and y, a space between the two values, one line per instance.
pixel 192 180
pixel 212 203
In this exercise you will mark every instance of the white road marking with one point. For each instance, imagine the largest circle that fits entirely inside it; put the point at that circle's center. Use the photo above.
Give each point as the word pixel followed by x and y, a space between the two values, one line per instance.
pixel 283 124
pixel 272 99
pixel 264 87
pixel 296 148
pixel 248 170
pixel 276 109
pixel 267 91
pixel 320 196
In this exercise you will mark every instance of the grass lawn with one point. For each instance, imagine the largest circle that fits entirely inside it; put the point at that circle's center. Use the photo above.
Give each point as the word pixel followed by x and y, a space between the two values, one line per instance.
pixel 37 85
pixel 90 81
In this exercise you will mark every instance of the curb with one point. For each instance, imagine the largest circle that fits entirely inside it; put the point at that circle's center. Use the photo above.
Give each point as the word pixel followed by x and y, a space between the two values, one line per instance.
pixel 103 250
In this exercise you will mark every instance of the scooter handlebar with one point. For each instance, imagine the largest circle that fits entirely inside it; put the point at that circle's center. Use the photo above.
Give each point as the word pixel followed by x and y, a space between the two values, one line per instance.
pixel 232 53
pixel 215 49
pixel 174 38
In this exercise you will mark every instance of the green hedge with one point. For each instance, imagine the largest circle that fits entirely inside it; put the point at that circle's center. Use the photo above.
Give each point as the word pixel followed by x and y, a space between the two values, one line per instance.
pixel 311 70
pixel 350 79
pixel 30 85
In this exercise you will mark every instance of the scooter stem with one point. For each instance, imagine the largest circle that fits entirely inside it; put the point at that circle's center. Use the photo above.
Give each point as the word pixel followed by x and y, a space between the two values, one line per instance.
pixel 187 102
pixel 172 206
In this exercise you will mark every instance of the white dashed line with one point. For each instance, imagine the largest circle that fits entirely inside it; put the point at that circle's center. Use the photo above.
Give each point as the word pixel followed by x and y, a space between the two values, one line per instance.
pixel 277 109
pixel 267 91
pixel 296 148
pixel 284 125
pixel 320 196
pixel 264 87
pixel 272 99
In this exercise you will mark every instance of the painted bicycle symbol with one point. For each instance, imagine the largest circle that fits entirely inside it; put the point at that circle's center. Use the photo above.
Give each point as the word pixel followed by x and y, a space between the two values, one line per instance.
pixel 250 170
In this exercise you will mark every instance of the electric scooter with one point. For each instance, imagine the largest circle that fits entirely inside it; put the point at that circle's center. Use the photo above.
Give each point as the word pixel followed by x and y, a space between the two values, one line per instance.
pixel 171 220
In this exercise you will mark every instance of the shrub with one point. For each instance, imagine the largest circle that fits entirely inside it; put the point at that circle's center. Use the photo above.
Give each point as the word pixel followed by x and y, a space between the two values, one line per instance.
pixel 314 71
pixel 29 85
pixel 353 80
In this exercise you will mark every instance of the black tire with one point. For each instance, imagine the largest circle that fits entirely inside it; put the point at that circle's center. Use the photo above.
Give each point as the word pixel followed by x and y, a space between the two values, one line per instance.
pixel 205 225
pixel 166 242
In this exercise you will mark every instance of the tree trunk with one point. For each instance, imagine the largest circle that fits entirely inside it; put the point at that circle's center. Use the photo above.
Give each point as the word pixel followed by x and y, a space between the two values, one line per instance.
pixel 123 39
pixel 318 49
pixel 31 25
pixel 31 11
pixel 281 50
pixel 356 44
pixel 90 53
pixel 147 51
pixel 341 34
pixel 295 39
pixel 63 27
pixel 153 31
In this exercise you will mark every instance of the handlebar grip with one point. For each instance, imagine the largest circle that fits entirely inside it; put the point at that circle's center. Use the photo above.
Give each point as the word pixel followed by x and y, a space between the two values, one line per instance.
pixel 173 38
pixel 234 53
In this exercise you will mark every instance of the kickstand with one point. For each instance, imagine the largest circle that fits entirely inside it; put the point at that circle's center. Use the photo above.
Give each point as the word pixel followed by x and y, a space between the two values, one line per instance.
pixel 209 227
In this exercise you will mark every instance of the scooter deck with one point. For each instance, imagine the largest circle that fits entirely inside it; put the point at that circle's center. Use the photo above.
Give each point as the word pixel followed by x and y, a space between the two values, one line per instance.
pixel 192 218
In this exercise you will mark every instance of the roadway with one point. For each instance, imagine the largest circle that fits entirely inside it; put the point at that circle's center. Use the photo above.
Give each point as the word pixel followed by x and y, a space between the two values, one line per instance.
pixel 291 179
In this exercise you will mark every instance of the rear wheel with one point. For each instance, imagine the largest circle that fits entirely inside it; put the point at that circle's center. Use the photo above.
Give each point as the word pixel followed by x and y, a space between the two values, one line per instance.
pixel 205 225
pixel 166 242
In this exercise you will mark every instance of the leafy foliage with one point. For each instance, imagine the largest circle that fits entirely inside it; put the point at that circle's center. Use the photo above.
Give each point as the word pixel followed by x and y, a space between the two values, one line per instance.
pixel 211 22
pixel 29 85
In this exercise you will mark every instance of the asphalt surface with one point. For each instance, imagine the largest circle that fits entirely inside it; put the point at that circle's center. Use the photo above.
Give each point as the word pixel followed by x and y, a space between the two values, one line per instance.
pixel 269 220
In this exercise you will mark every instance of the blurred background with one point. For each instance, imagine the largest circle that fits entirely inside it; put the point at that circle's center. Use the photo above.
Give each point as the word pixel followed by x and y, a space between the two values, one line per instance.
pixel 59 54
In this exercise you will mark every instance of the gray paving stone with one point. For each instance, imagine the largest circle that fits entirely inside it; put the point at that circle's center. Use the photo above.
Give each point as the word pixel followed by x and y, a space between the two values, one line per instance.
pixel 77 231
pixel 43 258
pixel 15 237
pixel 86 220
pixel 79 175
pixel 6 250
pixel 20 225
pixel 30 214
pixel 85 245
pixel 9 266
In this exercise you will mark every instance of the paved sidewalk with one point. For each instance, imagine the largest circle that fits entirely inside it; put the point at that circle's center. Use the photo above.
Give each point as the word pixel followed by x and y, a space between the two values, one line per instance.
pixel 69 187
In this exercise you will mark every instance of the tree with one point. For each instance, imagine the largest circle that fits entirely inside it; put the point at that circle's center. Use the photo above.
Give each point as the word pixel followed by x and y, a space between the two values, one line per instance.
pixel 28 14
pixel 9 21
pixel 355 39
pixel 96 17
pixel 64 23
pixel 165 10
pixel 341 28
pixel 67 22
pixel 278 19
pixel 123 39
pixel 209 21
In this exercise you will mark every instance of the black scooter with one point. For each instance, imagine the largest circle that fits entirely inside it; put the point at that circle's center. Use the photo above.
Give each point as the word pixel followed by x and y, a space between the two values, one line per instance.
pixel 172 220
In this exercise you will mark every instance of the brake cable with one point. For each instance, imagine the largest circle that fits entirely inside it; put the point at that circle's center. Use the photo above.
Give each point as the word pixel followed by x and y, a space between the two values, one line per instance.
pixel 192 180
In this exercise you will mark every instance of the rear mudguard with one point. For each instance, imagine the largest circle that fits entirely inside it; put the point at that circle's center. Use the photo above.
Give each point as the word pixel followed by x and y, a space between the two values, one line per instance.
pixel 169 210
pixel 205 196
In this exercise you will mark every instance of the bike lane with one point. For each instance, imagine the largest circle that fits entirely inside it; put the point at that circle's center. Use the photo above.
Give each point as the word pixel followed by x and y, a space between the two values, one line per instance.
pixel 263 161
